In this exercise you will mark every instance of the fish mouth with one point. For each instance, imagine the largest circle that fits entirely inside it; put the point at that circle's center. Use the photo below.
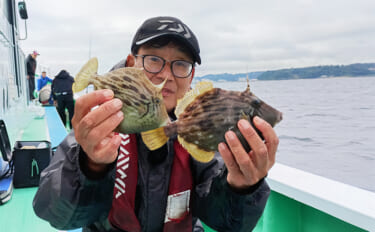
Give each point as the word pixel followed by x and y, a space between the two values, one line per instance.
pixel 272 118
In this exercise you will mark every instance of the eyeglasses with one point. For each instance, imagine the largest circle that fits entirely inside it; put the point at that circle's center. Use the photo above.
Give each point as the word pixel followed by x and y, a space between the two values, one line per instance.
pixel 154 64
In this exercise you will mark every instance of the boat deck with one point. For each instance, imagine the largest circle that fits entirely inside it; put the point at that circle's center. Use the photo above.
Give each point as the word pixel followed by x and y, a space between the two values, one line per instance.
pixel 18 214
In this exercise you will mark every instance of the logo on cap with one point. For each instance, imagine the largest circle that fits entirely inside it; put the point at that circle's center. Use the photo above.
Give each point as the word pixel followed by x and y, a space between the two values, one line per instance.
pixel 179 29
pixel 167 25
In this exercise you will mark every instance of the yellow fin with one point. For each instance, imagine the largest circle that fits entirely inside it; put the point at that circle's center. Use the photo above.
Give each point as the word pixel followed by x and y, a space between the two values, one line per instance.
pixel 189 97
pixel 245 116
pixel 154 139
pixel 198 154
pixel 81 81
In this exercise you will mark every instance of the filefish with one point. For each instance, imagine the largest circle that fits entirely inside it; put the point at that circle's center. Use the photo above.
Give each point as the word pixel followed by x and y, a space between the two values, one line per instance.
pixel 205 113
pixel 143 104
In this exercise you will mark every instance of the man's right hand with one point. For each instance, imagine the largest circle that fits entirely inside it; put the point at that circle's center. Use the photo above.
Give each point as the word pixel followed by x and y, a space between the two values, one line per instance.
pixel 94 128
pixel 28 77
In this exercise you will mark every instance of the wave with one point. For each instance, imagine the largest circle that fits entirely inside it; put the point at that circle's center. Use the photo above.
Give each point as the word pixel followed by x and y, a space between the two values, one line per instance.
pixel 287 137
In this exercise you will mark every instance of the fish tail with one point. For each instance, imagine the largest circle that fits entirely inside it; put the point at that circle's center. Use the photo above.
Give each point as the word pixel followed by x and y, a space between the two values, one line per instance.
pixel 82 79
pixel 154 139
pixel 197 153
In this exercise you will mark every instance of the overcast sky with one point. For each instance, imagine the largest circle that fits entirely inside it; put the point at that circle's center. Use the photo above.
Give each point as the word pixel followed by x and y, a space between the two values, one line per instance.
pixel 234 36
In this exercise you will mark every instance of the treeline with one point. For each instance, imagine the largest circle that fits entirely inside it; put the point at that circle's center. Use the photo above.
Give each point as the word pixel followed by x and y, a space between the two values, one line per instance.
pixel 229 76
pixel 352 70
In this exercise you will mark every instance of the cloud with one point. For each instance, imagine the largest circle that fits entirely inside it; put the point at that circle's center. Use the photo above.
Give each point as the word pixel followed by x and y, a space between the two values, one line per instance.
pixel 234 36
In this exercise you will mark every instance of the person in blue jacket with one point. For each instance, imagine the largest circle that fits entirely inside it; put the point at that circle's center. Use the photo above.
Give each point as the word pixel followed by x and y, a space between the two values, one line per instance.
pixel 44 89
pixel 103 181
pixel 43 80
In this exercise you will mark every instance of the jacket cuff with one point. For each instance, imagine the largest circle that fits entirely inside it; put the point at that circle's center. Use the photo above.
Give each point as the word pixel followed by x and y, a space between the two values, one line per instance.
pixel 249 190
pixel 89 174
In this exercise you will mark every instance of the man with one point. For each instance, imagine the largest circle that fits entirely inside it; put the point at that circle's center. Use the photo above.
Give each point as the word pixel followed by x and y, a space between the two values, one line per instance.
pixel 91 183
pixel 62 93
pixel 31 67
pixel 43 80
pixel 45 96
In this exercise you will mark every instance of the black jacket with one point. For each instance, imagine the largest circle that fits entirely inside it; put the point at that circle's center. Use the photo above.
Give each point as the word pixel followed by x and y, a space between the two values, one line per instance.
pixel 62 84
pixel 68 199
pixel 30 66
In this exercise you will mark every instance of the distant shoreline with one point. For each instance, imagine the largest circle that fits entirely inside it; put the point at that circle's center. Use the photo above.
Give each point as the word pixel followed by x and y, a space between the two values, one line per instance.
pixel 252 80
pixel 315 72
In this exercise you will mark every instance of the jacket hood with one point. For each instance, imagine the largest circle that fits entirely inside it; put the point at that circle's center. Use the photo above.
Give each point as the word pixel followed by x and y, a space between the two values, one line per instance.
pixel 63 74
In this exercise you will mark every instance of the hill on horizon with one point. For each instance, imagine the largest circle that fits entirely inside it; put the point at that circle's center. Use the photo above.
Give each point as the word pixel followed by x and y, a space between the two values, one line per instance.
pixel 321 71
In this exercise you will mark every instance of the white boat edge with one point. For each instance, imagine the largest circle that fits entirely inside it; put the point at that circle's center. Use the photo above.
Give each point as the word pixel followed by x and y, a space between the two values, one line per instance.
pixel 348 203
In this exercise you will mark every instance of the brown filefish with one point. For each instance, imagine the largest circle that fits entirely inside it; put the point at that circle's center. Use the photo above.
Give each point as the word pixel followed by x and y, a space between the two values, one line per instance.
pixel 205 113
pixel 143 104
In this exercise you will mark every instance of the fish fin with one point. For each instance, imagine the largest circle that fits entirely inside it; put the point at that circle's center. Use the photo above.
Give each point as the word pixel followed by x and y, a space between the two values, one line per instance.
pixel 82 79
pixel 245 116
pixel 247 90
pixel 200 87
pixel 161 85
pixel 154 139
pixel 197 153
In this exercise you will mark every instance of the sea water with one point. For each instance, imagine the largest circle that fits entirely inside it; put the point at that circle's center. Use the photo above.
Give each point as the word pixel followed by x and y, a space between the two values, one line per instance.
pixel 328 125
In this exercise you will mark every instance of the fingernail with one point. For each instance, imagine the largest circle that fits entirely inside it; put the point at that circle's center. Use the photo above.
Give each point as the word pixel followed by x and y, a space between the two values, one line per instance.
pixel 117 103
pixel 104 141
pixel 257 119
pixel 221 146
pixel 117 141
pixel 244 124
pixel 107 93
pixel 230 135
pixel 120 114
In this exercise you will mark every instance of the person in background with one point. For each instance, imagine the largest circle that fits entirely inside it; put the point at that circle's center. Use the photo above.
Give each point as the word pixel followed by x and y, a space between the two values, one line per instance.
pixel 44 89
pixel 43 80
pixel 30 68
pixel 62 93
pixel 103 181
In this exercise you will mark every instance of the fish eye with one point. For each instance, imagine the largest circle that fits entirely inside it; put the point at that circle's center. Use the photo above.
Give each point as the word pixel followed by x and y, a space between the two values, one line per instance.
pixel 255 103
pixel 157 101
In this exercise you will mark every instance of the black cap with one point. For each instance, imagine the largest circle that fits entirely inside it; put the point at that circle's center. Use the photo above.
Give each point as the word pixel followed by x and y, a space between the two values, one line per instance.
pixel 166 26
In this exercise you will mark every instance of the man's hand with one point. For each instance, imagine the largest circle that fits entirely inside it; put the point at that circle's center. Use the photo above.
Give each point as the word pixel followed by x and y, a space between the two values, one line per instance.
pixel 94 128
pixel 28 77
pixel 246 169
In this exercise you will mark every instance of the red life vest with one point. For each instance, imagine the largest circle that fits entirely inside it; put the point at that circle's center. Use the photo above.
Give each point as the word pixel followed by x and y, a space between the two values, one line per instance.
pixel 178 215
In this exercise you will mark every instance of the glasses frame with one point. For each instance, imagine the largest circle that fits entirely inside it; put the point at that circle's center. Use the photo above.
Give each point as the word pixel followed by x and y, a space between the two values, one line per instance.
pixel 164 62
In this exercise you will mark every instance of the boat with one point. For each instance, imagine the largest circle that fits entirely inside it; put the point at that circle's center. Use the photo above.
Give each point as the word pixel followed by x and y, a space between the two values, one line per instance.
pixel 299 201
pixel 23 119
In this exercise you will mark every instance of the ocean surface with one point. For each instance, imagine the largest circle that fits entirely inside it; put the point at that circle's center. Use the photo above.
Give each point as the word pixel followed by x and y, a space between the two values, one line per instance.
pixel 328 125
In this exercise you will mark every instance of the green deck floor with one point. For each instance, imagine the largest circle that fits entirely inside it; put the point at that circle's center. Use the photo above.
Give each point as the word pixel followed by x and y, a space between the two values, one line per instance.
pixel 17 215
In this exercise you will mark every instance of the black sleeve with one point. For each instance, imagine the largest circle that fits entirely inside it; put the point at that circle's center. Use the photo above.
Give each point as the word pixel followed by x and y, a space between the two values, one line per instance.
pixel 53 89
pixel 66 198
pixel 120 64
pixel 221 208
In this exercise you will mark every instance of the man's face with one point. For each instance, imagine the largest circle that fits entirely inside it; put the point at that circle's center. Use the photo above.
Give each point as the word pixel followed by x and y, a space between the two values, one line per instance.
pixel 43 74
pixel 175 88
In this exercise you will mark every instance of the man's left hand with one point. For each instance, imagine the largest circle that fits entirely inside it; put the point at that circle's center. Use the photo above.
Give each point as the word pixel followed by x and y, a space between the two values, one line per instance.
pixel 246 169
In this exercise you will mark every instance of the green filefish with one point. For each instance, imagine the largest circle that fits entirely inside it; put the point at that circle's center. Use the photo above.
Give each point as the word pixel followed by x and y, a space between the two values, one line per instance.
pixel 143 104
